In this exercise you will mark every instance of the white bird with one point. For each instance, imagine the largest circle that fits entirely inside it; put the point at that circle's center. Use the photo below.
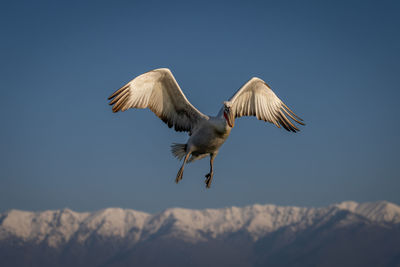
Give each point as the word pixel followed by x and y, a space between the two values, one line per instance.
pixel 159 91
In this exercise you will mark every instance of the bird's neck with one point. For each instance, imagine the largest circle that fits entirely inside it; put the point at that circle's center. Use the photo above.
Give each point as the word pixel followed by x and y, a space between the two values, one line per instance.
pixel 220 113
pixel 220 124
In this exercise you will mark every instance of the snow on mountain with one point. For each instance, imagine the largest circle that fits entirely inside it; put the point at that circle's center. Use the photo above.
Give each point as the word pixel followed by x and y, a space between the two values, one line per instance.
pixel 256 220
pixel 58 227
pixel 381 211
pixel 112 222
pixel 54 226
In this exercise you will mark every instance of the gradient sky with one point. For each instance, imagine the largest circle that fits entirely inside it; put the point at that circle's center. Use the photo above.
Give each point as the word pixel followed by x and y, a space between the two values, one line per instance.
pixel 335 63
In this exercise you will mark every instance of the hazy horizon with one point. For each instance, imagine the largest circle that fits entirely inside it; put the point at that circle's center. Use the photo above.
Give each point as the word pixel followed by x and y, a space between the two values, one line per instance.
pixel 205 208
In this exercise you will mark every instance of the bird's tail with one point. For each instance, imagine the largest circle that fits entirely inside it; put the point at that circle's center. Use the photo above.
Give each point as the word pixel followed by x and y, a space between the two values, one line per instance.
pixel 179 150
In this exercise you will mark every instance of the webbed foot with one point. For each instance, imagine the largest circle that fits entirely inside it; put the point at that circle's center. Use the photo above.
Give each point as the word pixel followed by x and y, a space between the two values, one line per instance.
pixel 209 177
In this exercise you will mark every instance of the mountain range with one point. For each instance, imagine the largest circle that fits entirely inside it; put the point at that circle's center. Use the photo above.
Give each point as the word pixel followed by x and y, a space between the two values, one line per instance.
pixel 344 234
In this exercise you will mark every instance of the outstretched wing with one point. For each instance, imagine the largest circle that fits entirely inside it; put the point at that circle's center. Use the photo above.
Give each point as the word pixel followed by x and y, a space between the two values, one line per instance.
pixel 158 91
pixel 256 98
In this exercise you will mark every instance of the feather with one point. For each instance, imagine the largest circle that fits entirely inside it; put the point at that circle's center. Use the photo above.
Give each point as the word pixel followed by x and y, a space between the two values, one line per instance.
pixel 256 98
pixel 158 91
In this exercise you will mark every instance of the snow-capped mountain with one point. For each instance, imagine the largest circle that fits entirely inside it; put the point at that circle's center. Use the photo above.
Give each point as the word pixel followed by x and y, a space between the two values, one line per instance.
pixel 259 233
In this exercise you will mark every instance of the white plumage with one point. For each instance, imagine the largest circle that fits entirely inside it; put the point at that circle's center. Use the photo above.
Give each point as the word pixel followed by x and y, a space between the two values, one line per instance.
pixel 256 98
pixel 159 91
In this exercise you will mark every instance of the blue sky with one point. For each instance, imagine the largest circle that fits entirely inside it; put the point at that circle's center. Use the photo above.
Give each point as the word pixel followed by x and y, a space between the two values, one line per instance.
pixel 335 63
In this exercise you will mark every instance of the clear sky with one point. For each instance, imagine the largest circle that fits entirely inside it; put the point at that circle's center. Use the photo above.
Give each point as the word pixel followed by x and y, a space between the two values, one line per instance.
pixel 335 63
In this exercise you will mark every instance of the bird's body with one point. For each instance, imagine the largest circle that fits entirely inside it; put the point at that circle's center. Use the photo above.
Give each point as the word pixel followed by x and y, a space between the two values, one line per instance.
pixel 209 136
pixel 159 91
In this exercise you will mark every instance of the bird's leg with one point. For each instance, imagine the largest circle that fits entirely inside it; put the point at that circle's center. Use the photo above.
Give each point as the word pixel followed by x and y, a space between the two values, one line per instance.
pixel 180 172
pixel 209 176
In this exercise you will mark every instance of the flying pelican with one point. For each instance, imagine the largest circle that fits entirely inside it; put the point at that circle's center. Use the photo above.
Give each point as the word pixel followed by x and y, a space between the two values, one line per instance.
pixel 159 91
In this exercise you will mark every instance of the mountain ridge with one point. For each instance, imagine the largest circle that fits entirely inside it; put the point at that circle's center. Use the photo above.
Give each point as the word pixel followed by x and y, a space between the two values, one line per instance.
pixel 254 235
pixel 58 226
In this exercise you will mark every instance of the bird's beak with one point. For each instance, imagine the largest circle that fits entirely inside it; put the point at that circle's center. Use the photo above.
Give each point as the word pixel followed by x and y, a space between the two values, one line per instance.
pixel 230 118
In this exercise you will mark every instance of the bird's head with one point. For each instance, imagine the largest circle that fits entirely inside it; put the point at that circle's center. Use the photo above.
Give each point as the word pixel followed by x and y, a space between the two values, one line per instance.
pixel 229 114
